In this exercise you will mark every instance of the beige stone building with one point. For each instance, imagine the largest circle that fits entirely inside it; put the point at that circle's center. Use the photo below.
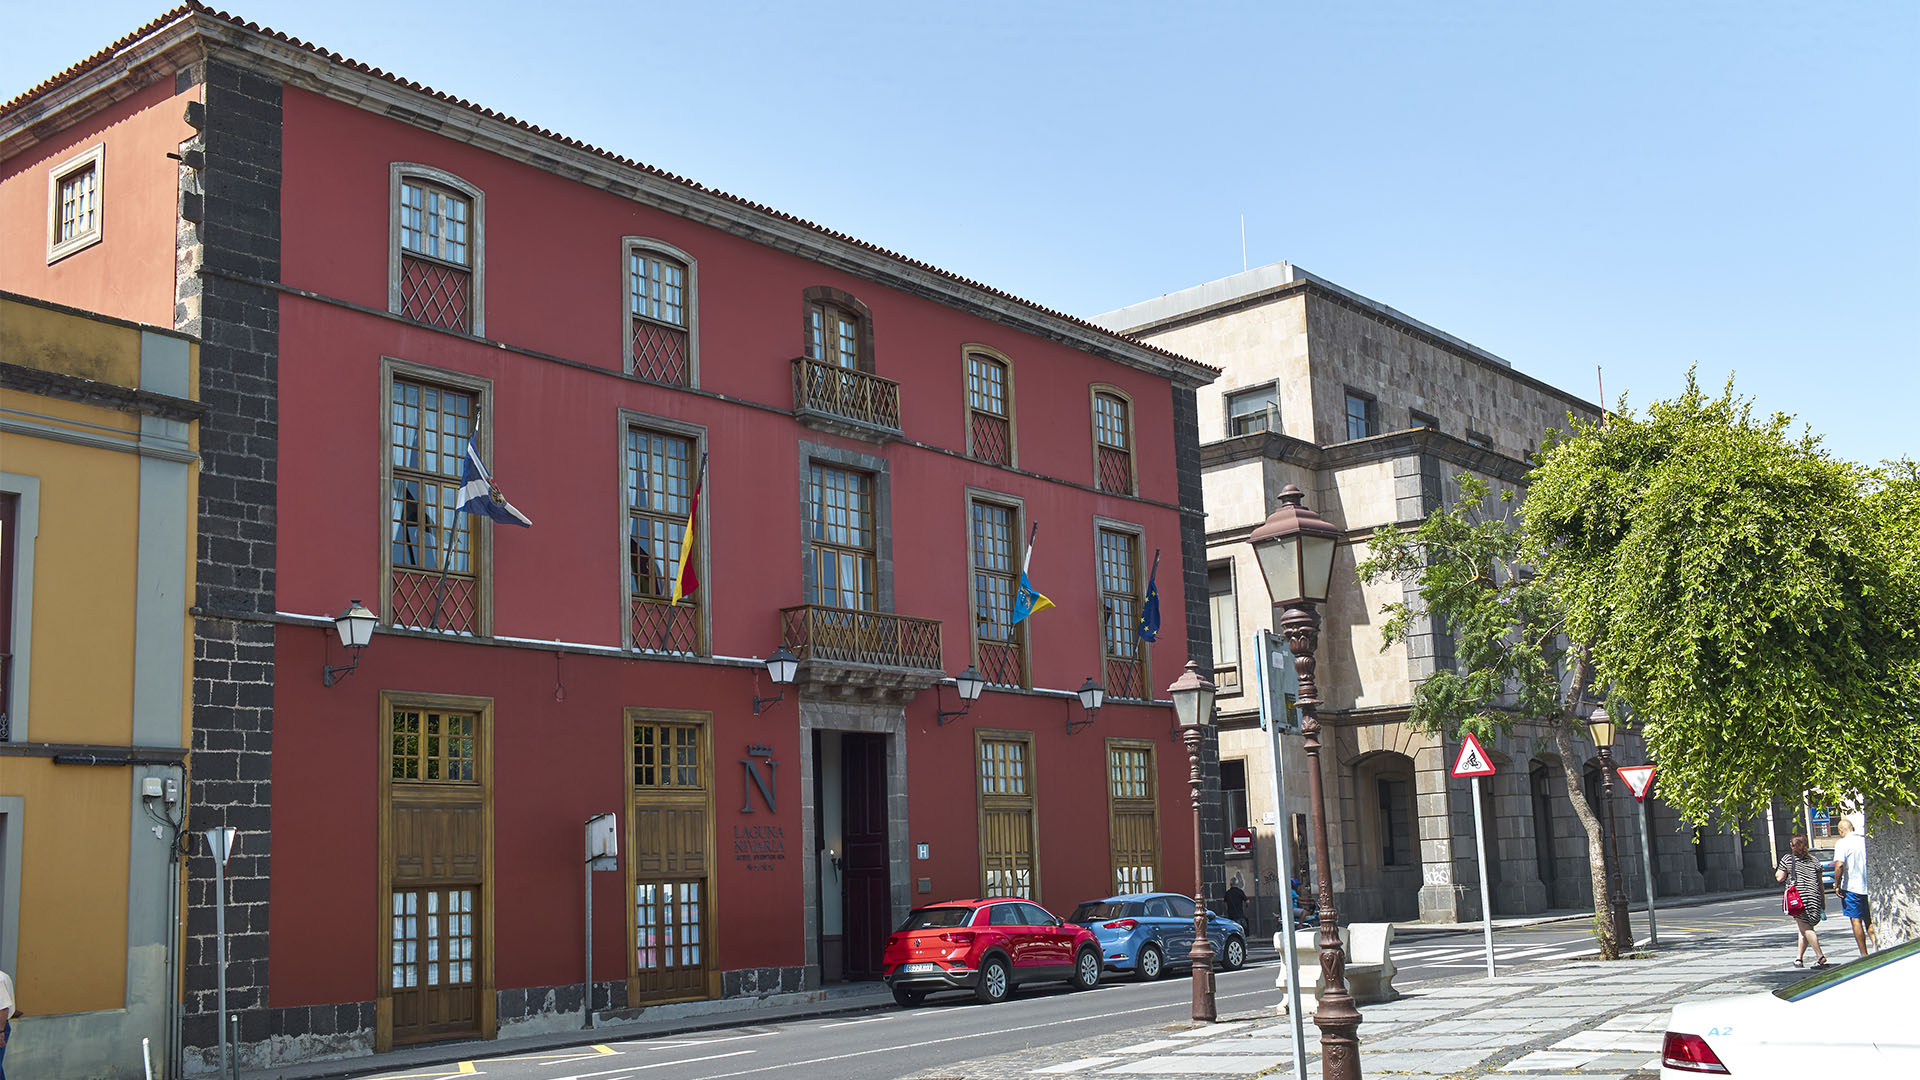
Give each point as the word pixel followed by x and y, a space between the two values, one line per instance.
pixel 1376 416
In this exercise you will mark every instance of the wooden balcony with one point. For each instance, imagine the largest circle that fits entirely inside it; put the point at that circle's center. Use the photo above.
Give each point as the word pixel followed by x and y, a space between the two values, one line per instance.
pixel 862 649
pixel 845 401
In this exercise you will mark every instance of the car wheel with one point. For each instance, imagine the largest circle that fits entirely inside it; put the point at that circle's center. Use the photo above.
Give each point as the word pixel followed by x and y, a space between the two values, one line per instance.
pixel 907 997
pixel 995 981
pixel 1151 964
pixel 1234 956
pixel 1086 970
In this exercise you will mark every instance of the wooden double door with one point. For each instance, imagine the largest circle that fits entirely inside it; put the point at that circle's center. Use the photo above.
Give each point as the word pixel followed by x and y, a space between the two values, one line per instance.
pixel 670 857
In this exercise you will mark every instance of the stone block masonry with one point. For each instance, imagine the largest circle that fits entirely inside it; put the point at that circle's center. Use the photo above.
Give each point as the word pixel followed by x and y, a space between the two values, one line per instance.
pixel 230 228
pixel 1193 570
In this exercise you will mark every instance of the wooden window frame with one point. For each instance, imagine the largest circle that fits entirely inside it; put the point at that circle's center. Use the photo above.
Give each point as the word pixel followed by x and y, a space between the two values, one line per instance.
pixel 94 158
pixel 391 369
pixel 815 547
pixel 826 296
pixel 702 532
pixel 1115 801
pixel 1018 506
pixel 476 267
pixel 1139 534
pixel 1093 427
pixel 703 797
pixel 487 1003
pixel 982 736
pixel 967 354
pixel 647 245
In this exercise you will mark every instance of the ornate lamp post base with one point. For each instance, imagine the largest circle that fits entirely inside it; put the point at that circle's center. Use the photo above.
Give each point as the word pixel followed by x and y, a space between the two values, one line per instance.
pixel 1202 954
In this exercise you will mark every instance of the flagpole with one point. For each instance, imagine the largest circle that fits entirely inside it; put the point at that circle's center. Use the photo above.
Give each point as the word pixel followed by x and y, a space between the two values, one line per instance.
pixel 686 557
pixel 446 548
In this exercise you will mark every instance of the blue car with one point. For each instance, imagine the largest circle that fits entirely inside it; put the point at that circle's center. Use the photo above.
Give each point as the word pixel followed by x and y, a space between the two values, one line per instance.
pixel 1147 933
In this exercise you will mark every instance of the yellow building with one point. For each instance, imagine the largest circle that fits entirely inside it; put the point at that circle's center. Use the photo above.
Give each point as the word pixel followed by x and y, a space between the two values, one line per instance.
pixel 98 444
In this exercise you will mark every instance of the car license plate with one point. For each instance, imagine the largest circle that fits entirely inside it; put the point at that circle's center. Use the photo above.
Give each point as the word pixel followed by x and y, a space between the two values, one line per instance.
pixel 916 969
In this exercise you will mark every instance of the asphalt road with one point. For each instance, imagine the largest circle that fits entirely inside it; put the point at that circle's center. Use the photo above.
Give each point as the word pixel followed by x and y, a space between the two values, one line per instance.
pixel 889 1042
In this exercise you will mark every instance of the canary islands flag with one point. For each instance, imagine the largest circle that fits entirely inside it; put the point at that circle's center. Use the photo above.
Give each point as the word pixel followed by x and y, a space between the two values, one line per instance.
pixel 1027 600
pixel 1149 628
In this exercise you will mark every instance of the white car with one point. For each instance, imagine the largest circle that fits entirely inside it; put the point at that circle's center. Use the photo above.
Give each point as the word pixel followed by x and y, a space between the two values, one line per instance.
pixel 1852 1020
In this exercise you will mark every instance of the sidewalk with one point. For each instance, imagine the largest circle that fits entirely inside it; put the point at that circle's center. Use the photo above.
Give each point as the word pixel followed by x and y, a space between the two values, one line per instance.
pixel 1553 1021
pixel 659 1020
pixel 1557 915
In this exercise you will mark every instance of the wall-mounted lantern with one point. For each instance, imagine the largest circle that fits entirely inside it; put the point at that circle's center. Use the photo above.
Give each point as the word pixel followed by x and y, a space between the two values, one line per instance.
pixel 355 626
pixel 1092 696
pixel 781 668
pixel 969 683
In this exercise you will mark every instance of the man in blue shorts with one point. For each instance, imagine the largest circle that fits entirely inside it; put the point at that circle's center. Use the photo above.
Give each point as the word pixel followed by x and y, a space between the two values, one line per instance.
pixel 1850 879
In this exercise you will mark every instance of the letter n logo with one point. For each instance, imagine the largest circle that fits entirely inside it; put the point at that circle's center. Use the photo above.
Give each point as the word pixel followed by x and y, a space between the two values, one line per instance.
pixel 769 788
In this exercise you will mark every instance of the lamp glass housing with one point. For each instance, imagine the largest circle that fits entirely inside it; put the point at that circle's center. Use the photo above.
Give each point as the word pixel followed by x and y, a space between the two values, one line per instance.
pixel 1295 548
pixel 1192 695
pixel 1600 727
pixel 355 625
pixel 1280 565
pixel 969 683
pixel 782 666
pixel 1092 695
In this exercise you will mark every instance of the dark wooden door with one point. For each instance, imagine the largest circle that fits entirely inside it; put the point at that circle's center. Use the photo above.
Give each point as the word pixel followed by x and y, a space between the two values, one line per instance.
pixel 869 915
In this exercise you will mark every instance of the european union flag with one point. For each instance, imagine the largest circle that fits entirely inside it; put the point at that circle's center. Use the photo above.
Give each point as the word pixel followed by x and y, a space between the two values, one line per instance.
pixel 1149 628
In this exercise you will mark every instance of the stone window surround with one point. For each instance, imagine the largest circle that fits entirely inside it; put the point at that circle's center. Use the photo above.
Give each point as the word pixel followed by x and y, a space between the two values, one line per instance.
pixel 94 157
pixel 1346 416
pixel 1093 437
pixel 1140 572
pixel 26 529
pixel 482 391
pixel 629 420
pixel 1232 567
pixel 1019 507
pixel 877 467
pixel 13 808
pixel 631 244
pixel 966 406
pixel 476 243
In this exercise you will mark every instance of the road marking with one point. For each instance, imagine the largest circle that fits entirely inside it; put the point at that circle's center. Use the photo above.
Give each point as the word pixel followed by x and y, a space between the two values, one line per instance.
pixel 677 1044
pixel 631 1069
pixel 850 1023
pixel 575 1054
pixel 465 1069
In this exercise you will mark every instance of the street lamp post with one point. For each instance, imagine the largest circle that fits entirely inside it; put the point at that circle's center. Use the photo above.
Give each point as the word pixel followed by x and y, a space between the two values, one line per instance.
pixel 1192 695
pixel 1600 727
pixel 1295 548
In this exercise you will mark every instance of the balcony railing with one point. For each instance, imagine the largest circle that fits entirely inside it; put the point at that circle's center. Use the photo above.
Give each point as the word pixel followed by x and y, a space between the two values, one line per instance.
pixel 844 636
pixel 858 403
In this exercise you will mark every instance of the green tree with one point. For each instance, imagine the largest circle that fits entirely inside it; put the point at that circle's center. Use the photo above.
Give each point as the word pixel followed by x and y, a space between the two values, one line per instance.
pixel 1750 597
pixel 1511 660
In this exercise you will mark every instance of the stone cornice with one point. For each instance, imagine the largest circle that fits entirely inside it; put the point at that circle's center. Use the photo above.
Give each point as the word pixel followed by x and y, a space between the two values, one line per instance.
pixel 177 40
pixel 1394 444
pixel 54 384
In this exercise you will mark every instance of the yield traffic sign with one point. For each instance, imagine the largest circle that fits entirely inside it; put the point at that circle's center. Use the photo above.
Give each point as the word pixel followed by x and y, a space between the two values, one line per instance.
pixel 1638 779
pixel 1473 760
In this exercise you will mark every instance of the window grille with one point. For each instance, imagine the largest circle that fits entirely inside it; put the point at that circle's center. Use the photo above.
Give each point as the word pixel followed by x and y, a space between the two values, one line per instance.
pixel 1113 444
pixel 659 478
pixel 428 428
pixel 1120 603
pixel 995 580
pixel 658 330
pixel 989 412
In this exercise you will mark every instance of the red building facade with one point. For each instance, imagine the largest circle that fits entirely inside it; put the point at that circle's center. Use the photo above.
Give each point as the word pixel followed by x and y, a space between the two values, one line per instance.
pixel 377 272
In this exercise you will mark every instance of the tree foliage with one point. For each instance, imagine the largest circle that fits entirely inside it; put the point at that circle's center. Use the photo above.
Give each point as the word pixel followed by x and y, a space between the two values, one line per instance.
pixel 1750 598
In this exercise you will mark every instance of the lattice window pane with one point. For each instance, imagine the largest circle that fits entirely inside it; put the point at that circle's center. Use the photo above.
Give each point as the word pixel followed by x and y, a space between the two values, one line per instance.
pixel 433 222
pixel 1003 767
pixel 840 527
pixel 667 756
pixel 657 288
pixel 428 429
pixel 406 940
pixel 79 206
pixel 1110 421
pixel 1131 772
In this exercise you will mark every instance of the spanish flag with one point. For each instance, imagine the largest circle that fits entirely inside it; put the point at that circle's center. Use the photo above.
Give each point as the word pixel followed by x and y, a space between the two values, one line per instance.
pixel 686 580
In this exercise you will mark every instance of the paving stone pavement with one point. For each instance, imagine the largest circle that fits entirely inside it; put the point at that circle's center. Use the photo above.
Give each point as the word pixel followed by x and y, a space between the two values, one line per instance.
pixel 1583 1020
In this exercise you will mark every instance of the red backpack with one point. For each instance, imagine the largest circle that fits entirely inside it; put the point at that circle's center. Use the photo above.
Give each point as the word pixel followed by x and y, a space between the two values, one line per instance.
pixel 1790 901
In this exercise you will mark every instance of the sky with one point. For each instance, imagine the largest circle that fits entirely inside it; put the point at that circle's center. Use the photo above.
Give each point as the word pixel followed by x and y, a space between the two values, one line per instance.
pixel 1614 191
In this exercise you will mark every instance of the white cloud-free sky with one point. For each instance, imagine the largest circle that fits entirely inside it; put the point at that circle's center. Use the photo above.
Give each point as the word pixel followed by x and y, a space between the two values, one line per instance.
pixel 1634 186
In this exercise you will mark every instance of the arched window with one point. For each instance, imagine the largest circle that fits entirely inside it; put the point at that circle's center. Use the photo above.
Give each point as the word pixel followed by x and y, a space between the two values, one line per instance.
pixel 1112 441
pixel 989 406
pixel 662 317
pixel 436 270
pixel 839 329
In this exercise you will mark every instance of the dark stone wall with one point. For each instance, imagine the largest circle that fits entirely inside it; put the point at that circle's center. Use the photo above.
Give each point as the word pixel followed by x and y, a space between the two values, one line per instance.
pixel 230 223
pixel 1193 581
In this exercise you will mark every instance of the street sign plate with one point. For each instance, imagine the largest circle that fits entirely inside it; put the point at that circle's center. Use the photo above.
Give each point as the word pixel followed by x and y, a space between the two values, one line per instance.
pixel 1473 761
pixel 1243 839
pixel 1820 817
pixel 1638 779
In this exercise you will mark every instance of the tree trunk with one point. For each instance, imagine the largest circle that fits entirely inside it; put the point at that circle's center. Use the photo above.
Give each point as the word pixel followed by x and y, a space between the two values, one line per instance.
pixel 1596 838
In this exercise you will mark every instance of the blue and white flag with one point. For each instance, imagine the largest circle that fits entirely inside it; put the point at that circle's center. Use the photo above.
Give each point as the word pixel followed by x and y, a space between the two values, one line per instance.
pixel 478 494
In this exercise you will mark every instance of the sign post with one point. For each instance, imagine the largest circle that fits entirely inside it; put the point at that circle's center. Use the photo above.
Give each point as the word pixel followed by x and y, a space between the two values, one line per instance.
pixel 1474 763
pixel 603 853
pixel 1639 780
pixel 220 841
pixel 1273 673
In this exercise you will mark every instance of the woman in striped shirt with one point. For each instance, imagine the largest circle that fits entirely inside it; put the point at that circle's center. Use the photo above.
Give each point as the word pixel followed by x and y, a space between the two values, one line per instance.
pixel 1798 869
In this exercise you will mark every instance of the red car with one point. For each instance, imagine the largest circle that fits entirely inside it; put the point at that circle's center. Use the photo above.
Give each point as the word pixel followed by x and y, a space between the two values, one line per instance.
pixel 987 946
